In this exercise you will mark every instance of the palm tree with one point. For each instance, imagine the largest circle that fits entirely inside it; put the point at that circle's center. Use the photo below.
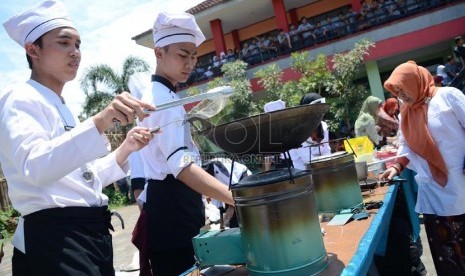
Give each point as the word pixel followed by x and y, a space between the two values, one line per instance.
pixel 103 76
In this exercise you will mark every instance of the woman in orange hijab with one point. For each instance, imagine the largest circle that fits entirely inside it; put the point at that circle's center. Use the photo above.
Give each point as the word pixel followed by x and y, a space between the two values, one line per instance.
pixel 387 118
pixel 432 133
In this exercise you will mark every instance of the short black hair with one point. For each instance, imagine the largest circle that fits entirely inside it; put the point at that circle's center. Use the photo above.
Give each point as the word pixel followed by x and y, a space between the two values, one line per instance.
pixel 37 42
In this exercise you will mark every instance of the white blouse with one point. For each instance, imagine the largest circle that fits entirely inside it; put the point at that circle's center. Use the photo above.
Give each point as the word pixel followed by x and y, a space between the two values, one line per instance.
pixel 301 156
pixel 446 123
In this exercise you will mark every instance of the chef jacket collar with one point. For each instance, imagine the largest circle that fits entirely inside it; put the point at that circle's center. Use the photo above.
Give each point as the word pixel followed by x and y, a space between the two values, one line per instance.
pixel 164 81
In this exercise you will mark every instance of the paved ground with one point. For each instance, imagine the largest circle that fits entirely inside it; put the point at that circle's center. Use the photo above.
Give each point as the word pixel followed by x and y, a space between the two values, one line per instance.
pixel 124 250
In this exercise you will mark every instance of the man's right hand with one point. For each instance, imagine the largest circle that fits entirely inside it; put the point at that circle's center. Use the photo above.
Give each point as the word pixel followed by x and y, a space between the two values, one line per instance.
pixel 123 109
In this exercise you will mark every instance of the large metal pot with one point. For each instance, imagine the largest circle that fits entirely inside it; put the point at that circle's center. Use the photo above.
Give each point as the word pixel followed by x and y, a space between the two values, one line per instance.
pixel 280 230
pixel 336 183
pixel 272 132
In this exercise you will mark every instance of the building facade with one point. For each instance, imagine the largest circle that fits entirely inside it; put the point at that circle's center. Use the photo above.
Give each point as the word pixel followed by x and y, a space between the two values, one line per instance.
pixel 402 30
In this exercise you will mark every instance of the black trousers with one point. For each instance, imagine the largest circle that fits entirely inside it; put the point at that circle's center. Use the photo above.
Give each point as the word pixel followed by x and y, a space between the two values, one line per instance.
pixel 66 241
pixel 175 214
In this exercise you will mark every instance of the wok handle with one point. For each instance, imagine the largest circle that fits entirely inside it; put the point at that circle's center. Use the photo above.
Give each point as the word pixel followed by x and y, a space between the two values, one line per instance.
pixel 203 121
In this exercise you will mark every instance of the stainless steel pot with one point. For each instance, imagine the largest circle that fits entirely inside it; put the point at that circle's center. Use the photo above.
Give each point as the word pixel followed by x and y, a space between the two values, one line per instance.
pixel 362 170
pixel 279 224
pixel 336 183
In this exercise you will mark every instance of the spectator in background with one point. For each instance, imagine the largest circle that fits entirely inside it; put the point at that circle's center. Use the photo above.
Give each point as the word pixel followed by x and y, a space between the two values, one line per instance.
pixel 230 55
pixel 452 68
pixel 459 50
pixel 296 39
pixel 365 125
pixel 220 168
pixel 441 71
pixel 387 120
pixel 437 81
pixel 284 42
pixel 306 29
pixel 318 142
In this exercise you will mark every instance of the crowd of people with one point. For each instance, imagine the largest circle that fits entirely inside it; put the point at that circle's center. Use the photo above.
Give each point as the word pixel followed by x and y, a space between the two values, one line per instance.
pixel 309 32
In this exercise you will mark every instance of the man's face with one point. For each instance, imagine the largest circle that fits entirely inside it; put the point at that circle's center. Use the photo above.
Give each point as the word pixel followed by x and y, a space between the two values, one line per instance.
pixel 59 57
pixel 176 61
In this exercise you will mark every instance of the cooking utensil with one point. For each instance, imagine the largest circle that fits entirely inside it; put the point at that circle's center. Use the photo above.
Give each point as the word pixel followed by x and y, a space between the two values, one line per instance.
pixel 387 159
pixel 215 94
pixel 271 132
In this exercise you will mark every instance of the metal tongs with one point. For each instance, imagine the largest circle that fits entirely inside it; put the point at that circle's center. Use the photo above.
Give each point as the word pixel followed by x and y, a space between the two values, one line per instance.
pixel 212 94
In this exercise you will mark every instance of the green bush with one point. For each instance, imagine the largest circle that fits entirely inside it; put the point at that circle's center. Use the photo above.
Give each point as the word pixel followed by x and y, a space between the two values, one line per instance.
pixel 8 222
pixel 115 198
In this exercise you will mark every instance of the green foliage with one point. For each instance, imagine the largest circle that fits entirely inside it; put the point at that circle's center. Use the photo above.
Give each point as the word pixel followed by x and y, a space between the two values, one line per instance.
pixel 241 104
pixel 8 222
pixel 115 198
pixel 94 103
pixel 315 73
pixel 315 76
pixel 102 76
pixel 271 79
pixel 338 86
pixel 342 85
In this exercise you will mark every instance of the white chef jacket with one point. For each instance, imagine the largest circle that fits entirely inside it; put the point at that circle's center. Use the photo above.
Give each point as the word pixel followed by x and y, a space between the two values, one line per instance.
pixel 446 123
pixel 171 150
pixel 301 156
pixel 43 163
pixel 137 166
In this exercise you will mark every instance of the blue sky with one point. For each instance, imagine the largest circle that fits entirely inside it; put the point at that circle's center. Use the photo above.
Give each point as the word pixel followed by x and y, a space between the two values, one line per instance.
pixel 106 28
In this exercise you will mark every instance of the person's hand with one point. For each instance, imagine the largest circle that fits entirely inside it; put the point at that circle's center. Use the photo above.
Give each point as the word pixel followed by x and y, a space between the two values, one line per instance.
pixel 388 174
pixel 123 109
pixel 137 138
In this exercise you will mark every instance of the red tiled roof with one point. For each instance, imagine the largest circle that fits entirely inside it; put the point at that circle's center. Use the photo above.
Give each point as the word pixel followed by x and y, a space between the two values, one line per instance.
pixel 205 5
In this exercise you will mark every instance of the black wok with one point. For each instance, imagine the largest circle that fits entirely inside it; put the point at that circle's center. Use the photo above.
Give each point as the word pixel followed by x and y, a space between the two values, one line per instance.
pixel 272 132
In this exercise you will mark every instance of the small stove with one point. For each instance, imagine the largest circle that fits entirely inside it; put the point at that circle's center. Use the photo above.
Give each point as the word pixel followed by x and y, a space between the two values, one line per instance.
pixel 279 232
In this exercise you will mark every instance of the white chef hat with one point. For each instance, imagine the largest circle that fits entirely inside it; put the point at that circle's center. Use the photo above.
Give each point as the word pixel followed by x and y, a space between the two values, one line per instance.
pixel 274 105
pixel 174 28
pixel 31 24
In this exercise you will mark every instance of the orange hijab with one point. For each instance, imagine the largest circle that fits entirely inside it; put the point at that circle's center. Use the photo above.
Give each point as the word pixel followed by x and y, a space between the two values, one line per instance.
pixel 418 84
pixel 391 107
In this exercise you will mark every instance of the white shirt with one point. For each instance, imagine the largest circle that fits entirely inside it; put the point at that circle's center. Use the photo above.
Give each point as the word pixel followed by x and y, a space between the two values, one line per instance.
pixel 136 164
pixel 446 123
pixel 223 176
pixel 172 149
pixel 301 156
pixel 42 162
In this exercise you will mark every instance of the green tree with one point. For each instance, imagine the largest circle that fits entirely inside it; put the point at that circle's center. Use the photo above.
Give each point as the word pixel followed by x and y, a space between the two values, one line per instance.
pixel 102 76
pixel 241 104
pixel 315 76
pixel 338 85
pixel 348 96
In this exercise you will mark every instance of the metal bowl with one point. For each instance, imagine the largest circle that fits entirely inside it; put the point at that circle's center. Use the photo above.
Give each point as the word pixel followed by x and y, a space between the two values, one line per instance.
pixel 271 132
